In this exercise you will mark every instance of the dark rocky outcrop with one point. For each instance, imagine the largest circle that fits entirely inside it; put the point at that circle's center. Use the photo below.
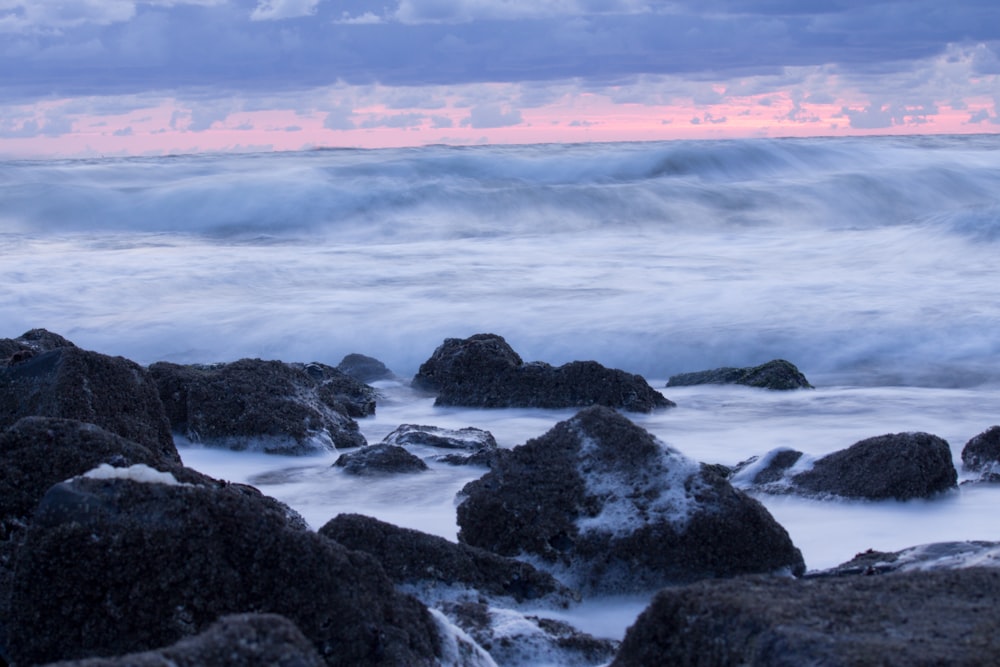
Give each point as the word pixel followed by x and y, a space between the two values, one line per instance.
pixel 37 452
pixel 115 566
pixel 895 620
pixel 15 350
pixel 247 640
pixel 265 405
pixel 484 371
pixel 380 460
pixel 900 466
pixel 364 369
pixel 606 507
pixel 425 563
pixel 777 374
pixel 469 438
pixel 981 455
pixel 69 383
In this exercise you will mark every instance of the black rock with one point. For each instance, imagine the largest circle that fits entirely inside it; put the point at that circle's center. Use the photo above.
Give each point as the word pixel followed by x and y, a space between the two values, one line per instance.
pixel 777 374
pixel 484 371
pixel 925 557
pixel 606 507
pixel 469 438
pixel 380 460
pixel 982 454
pixel 898 465
pixel 263 405
pixel 37 452
pixel 364 369
pixel 896 620
pixel 115 566
pixel 247 640
pixel 69 383
pixel 768 473
pixel 427 564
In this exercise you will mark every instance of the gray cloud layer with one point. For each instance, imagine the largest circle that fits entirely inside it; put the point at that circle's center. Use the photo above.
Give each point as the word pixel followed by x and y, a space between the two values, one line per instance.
pixel 81 47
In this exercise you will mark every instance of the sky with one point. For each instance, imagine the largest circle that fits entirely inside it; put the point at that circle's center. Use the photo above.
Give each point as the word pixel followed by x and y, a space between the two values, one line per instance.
pixel 85 78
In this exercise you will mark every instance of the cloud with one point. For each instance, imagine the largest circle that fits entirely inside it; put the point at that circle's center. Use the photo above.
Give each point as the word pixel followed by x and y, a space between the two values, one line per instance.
pixel 491 116
pixel 880 116
pixel 272 10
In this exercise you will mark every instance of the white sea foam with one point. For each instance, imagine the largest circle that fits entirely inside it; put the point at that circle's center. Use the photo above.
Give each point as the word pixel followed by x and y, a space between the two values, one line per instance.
pixel 138 472
pixel 458 649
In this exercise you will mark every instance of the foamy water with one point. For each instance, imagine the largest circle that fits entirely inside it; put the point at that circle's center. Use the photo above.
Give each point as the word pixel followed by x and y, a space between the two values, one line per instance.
pixel 869 263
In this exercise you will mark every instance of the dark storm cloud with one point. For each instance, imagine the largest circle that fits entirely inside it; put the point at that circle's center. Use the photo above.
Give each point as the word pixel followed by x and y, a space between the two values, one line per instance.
pixel 127 46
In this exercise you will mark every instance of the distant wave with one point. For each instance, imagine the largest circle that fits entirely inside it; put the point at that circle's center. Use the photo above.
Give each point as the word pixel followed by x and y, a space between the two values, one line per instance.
pixel 455 192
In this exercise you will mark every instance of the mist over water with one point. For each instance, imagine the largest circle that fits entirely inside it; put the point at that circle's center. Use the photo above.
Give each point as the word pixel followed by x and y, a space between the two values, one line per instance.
pixel 869 263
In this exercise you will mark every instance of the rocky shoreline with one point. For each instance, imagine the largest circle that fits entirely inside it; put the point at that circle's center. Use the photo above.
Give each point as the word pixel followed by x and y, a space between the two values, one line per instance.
pixel 114 553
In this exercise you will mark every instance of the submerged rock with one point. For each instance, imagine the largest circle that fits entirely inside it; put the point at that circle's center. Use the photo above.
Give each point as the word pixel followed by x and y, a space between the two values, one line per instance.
pixel 380 460
pixel 469 438
pixel 484 371
pixel 923 558
pixel 981 454
pixel 925 618
pixel 269 406
pixel 66 382
pixel 248 640
pixel 120 565
pixel 899 466
pixel 777 374
pixel 364 369
pixel 606 507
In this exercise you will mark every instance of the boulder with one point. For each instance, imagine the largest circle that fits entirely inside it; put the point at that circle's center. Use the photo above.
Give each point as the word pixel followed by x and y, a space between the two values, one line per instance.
pixel 69 383
pixel 15 350
pixel 37 452
pixel 364 369
pixel 469 438
pixel 777 374
pixel 895 620
pixel 769 473
pixel 899 466
pixel 268 406
pixel 248 640
pixel 981 455
pixel 607 508
pixel 380 460
pixel 484 371
pixel 432 567
pixel 129 561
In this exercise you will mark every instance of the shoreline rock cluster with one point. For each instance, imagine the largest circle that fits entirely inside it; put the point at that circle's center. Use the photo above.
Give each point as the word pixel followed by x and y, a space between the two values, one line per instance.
pixel 114 553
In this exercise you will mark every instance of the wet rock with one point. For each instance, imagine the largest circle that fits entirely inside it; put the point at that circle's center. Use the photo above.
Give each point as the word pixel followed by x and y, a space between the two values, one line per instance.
pixel 248 640
pixel 777 374
pixel 37 452
pixel 515 639
pixel 28 344
pixel 269 406
pixel 468 438
pixel 606 507
pixel 925 557
pixel 433 568
pixel 486 457
pixel 380 460
pixel 484 371
pixel 900 466
pixel 981 454
pixel 920 618
pixel 769 472
pixel 364 369
pixel 112 566
pixel 69 383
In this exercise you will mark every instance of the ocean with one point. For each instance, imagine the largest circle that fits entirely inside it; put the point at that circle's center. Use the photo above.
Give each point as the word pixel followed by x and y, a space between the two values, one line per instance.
pixel 870 263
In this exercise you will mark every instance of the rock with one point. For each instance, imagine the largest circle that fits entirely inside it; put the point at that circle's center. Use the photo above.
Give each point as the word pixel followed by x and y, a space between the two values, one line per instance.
pixel 380 460
pixel 113 566
pixel 981 454
pixel 364 369
pixel 339 389
pixel 37 452
pixel 925 557
pixel 484 371
pixel 607 508
pixel 248 640
pixel 768 473
pixel 469 438
pixel 485 457
pixel 515 639
pixel 432 568
pixel 925 618
pixel 28 344
pixel 900 466
pixel 777 374
pixel 69 383
pixel 269 406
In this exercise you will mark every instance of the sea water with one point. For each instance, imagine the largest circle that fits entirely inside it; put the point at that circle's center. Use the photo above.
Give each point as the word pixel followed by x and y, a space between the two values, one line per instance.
pixel 869 263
